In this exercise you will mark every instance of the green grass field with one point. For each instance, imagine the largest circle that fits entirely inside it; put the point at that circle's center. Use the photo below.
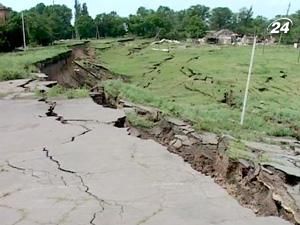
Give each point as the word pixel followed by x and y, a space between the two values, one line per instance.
pixel 20 64
pixel 190 82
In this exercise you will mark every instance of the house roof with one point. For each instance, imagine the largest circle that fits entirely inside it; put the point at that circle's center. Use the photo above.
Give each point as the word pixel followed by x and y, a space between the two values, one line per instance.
pixel 2 6
pixel 217 34
pixel 224 32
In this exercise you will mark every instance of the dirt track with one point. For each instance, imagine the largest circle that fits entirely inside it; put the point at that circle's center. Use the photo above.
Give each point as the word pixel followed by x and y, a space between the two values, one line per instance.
pixel 85 171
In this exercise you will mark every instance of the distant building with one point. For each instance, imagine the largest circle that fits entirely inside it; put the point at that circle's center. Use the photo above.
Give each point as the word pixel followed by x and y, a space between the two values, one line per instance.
pixel 4 14
pixel 222 37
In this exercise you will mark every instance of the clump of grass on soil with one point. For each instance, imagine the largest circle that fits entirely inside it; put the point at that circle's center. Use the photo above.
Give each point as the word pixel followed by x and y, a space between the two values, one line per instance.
pixel 274 98
pixel 69 93
pixel 139 121
pixel 19 65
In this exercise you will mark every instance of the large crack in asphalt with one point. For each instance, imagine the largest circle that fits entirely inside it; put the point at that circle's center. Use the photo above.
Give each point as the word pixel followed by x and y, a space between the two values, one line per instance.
pixel 102 203
pixel 23 170
pixel 87 130
pixel 51 113
pixel 26 83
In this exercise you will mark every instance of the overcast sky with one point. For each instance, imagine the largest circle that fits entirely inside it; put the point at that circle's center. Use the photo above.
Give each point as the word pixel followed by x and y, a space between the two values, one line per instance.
pixel 267 8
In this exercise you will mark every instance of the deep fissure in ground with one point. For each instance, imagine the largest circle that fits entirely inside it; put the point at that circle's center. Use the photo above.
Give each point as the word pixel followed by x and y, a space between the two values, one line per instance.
pixel 254 186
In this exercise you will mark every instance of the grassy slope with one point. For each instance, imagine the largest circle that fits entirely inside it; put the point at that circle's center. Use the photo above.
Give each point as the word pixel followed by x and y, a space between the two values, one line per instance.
pixel 272 112
pixel 20 64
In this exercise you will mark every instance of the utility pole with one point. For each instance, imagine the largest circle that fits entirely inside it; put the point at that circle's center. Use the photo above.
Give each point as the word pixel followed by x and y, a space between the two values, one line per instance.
pixel 288 10
pixel 298 46
pixel 248 81
pixel 77 7
pixel 287 14
pixel 97 32
pixel 24 33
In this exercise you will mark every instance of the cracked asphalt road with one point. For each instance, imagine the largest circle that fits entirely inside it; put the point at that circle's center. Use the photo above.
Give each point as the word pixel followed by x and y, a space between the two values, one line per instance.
pixel 88 172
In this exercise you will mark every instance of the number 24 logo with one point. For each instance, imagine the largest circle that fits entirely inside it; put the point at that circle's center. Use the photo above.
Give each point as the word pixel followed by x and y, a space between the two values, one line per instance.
pixel 281 25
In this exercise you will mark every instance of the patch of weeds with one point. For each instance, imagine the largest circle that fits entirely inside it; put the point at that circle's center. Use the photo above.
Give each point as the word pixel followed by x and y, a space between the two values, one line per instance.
pixel 238 150
pixel 69 93
pixel 11 75
pixel 2 95
pixel 77 93
pixel 281 132
pixel 264 159
pixel 139 121
pixel 19 65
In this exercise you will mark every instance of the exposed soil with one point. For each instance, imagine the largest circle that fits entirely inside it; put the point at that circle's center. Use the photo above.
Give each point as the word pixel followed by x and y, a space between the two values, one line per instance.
pixel 186 86
pixel 138 49
pixel 64 69
pixel 229 99
pixel 262 189
pixel 156 66
pixel 251 185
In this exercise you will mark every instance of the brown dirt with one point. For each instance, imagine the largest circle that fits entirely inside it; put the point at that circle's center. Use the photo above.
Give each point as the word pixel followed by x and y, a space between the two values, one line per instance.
pixel 262 190
pixel 247 183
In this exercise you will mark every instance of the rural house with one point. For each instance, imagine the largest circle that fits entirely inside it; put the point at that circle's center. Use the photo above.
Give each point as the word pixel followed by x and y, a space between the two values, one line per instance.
pixel 4 13
pixel 223 37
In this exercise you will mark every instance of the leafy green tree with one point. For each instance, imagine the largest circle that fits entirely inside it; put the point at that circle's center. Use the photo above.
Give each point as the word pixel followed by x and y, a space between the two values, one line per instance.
pixel 77 8
pixel 84 24
pixel 110 25
pixel 195 21
pixel 195 27
pixel 86 27
pixel 243 21
pixel 84 10
pixel 260 25
pixel 11 33
pixel 221 18
pixel 39 29
pixel 59 17
pixel 294 35
pixel 48 23
pixel 143 12
pixel 136 25
pixel 39 8
pixel 166 22
pixel 200 11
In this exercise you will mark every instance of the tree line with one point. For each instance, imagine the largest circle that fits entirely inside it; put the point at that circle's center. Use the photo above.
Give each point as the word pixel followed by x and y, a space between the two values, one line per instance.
pixel 45 24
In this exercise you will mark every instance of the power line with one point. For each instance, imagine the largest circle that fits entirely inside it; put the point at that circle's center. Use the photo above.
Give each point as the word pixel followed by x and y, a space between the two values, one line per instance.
pixel 287 14
pixel 24 34
pixel 288 10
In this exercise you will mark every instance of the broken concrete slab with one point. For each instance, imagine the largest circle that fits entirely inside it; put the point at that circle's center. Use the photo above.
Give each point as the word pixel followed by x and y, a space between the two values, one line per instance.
pixel 90 112
pixel 13 86
pixel 206 138
pixel 40 85
pixel 39 76
pixel 102 177
pixel 176 143
pixel 175 121
pixel 23 88
pixel 263 147
pixel 186 141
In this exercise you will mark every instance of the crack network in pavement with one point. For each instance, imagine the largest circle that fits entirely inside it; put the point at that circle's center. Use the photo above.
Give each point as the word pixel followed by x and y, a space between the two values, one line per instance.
pixel 61 119
pixel 86 187
pixel 146 219
pixel 87 130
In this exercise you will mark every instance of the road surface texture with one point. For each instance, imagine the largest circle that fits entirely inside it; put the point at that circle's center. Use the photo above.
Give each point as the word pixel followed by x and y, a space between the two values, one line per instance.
pixel 85 171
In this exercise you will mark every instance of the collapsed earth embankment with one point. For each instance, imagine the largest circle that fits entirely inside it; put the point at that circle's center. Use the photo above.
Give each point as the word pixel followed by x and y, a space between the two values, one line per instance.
pixel 267 188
